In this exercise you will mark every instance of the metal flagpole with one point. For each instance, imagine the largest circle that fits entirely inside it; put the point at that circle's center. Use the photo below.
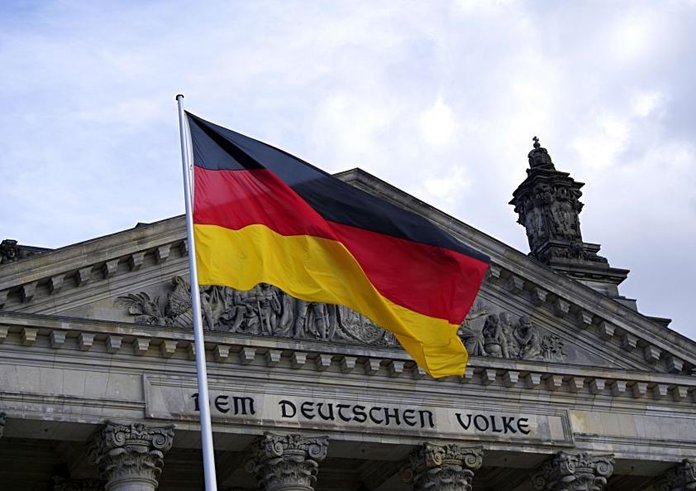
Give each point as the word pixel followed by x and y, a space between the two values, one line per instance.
pixel 202 376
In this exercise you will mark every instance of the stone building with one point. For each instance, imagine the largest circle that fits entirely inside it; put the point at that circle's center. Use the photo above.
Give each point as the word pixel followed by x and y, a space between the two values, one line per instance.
pixel 569 387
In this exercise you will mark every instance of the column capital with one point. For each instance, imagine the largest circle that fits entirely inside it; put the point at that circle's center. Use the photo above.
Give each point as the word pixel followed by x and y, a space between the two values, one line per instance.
pixel 130 452
pixel 448 467
pixel 568 471
pixel 287 462
pixel 681 477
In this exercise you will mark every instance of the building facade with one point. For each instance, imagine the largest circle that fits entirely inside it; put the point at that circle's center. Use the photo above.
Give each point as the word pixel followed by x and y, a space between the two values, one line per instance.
pixel 569 387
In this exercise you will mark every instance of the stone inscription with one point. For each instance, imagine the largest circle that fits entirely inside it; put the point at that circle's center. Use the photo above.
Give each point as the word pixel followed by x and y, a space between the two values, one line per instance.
pixel 357 413
pixel 379 415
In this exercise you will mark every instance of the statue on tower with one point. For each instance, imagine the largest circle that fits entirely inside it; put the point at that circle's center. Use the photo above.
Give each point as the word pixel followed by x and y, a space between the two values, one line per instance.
pixel 548 206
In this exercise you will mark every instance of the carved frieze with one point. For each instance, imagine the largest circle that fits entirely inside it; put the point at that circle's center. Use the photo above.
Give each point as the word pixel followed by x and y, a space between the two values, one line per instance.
pixel 267 311
pixel 679 478
pixel 262 311
pixel 282 462
pixel 130 452
pixel 498 335
pixel 448 467
pixel 574 472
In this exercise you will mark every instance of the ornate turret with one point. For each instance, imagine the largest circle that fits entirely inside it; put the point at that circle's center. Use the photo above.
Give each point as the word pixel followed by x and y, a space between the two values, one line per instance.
pixel 548 205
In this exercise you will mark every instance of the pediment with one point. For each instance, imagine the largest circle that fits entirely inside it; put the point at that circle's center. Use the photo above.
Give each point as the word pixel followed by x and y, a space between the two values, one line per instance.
pixel 524 313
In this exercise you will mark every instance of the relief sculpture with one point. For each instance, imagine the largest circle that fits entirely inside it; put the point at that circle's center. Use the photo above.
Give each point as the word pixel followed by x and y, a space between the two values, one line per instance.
pixel 500 337
pixel 267 311
pixel 262 311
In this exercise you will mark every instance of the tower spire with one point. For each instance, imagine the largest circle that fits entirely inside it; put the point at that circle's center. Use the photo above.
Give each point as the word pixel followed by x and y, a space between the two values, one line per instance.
pixel 548 206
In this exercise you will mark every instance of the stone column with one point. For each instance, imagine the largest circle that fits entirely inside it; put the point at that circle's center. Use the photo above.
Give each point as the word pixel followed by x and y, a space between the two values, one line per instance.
pixel 448 467
pixel 568 471
pixel 2 423
pixel 679 478
pixel 130 456
pixel 287 462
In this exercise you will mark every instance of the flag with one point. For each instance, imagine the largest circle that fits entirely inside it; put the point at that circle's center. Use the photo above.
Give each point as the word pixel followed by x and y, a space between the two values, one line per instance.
pixel 262 215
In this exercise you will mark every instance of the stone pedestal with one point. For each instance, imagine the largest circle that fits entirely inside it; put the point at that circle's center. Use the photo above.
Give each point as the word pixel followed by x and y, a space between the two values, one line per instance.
pixel 287 462
pixel 130 456
pixel 447 467
pixel 574 472
pixel 679 478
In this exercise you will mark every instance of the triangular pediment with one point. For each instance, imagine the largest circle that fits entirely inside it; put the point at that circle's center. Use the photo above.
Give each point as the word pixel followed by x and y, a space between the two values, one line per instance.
pixel 525 312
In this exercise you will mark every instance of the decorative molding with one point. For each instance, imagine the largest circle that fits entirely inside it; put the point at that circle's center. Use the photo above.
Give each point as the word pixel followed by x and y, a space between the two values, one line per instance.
pixel 522 375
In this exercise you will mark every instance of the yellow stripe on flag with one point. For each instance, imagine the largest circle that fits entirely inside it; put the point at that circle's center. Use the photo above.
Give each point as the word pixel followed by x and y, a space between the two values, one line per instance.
pixel 322 270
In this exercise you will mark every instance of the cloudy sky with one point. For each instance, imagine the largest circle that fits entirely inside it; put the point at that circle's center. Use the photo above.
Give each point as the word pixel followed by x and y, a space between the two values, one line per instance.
pixel 440 98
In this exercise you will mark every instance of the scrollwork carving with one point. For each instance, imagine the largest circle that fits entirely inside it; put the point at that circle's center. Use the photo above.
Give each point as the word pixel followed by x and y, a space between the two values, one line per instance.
pixel 286 461
pixel 682 477
pixel 574 472
pixel 130 451
pixel 448 467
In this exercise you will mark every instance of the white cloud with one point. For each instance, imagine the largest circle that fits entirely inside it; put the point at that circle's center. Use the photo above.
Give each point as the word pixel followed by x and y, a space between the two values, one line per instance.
pixel 438 124
pixel 646 102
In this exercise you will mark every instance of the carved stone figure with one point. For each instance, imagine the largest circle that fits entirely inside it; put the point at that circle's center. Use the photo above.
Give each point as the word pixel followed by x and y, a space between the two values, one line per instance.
pixel 472 338
pixel 9 251
pixel 287 462
pixel 128 453
pixel 568 471
pixel 527 337
pixel 494 341
pixel 505 320
pixel 448 467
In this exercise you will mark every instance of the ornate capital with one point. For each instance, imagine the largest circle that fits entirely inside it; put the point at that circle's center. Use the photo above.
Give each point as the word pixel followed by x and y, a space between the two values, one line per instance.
pixel 130 452
pixel 2 423
pixel 574 472
pixel 287 462
pixel 448 467
pixel 682 477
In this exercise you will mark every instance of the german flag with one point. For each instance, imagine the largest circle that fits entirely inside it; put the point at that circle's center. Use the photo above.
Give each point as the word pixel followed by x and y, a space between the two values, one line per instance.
pixel 262 215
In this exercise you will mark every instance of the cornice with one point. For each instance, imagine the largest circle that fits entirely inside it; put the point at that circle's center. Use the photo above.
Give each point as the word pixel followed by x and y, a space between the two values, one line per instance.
pixel 26 335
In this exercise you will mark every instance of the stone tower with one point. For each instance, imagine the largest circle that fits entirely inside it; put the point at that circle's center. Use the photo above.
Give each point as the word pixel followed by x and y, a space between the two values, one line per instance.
pixel 548 205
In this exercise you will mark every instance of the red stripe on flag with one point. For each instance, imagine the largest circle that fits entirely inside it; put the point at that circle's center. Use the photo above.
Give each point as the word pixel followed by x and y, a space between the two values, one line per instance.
pixel 429 280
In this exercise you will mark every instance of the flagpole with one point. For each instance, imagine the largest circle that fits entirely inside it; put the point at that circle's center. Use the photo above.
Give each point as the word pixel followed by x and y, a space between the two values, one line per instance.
pixel 201 373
